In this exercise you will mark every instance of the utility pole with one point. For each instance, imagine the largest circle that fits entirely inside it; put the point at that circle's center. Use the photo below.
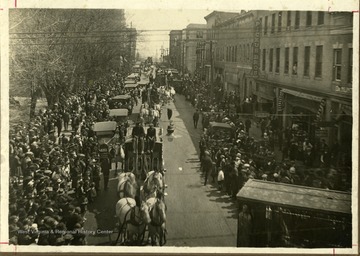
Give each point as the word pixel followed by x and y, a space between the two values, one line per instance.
pixel 211 70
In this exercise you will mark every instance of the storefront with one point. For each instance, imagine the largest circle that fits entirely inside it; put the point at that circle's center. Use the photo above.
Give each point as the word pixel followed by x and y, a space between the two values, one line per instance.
pixel 265 98
pixel 343 122
pixel 301 113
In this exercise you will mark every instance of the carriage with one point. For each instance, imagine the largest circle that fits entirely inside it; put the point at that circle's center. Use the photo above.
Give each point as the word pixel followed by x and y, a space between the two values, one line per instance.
pixel 129 87
pixel 133 77
pixel 141 164
pixel 220 131
pixel 121 102
pixel 144 181
pixel 105 129
pixel 286 215
pixel 119 114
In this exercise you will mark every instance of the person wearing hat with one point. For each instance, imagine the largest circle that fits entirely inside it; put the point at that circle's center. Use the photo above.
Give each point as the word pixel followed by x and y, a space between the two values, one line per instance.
pixel 207 166
pixel 66 119
pixel 169 113
pixel 138 134
pixel 237 160
pixel 151 137
pixel 105 168
pixel 264 177
pixel 245 226
pixel 95 174
pixel 196 117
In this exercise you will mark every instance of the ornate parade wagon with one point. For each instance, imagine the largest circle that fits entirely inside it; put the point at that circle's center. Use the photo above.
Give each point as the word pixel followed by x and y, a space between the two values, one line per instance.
pixel 139 160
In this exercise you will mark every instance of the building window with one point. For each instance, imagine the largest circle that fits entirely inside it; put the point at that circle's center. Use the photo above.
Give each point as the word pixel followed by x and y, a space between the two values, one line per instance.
pixel 273 23
pixel 277 60
pixel 199 34
pixel 308 18
pixel 271 60
pixel 318 64
pixel 306 61
pixel 233 54
pixel 350 65
pixel 279 21
pixel 230 54
pixel 337 65
pixel 321 18
pixel 288 20
pixel 297 19
pixel 295 60
pixel 265 25
pixel 263 59
pixel 286 67
pixel 236 52
pixel 248 52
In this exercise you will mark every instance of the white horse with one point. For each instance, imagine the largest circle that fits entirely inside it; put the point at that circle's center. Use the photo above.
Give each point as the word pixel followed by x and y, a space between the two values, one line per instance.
pixel 153 183
pixel 132 220
pixel 127 185
pixel 144 113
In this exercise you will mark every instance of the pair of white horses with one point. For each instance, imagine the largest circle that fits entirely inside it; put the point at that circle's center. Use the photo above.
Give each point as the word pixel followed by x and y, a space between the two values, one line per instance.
pixel 150 114
pixel 141 207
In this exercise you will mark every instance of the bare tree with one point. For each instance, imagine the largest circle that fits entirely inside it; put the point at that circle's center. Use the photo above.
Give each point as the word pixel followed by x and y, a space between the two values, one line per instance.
pixel 57 51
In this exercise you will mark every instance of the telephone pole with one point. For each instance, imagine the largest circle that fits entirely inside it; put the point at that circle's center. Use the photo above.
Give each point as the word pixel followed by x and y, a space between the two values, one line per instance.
pixel 211 70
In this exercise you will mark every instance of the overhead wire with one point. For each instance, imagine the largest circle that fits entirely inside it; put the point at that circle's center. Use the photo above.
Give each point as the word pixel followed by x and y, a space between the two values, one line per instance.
pixel 213 30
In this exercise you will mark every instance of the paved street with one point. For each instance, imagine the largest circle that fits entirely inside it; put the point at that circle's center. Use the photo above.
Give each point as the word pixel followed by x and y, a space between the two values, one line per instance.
pixel 197 215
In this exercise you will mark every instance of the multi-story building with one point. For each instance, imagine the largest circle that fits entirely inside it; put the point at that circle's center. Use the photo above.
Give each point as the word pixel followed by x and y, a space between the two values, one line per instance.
pixel 191 35
pixel 233 58
pixel 213 20
pixel 175 48
pixel 296 64
pixel 306 65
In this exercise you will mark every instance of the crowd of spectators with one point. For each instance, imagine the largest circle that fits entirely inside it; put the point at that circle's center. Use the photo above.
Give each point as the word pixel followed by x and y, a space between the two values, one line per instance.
pixel 55 168
pixel 288 155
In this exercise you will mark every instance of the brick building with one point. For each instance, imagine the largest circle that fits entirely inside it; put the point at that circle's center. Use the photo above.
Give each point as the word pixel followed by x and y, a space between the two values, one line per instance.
pixel 296 64
pixel 306 70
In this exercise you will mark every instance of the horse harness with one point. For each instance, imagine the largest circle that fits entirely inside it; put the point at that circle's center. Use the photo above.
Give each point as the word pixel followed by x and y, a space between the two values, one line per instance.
pixel 154 222
pixel 132 220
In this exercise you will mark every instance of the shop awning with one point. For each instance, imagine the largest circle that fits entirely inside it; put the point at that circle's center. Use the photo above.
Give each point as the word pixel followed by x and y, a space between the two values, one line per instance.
pixel 302 95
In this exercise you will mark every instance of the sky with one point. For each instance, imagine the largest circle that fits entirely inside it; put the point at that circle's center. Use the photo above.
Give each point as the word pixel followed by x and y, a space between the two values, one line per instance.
pixel 157 25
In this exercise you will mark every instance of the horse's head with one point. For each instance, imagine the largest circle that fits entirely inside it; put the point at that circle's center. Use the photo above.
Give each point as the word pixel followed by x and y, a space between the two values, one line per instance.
pixel 145 212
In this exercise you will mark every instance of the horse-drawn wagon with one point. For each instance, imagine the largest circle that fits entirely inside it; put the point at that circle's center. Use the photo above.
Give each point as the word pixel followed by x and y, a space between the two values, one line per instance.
pixel 141 206
pixel 144 157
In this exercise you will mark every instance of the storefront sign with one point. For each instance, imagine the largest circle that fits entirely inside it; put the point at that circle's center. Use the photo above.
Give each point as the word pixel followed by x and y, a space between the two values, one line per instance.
pixel 256 49
pixel 302 95
pixel 280 105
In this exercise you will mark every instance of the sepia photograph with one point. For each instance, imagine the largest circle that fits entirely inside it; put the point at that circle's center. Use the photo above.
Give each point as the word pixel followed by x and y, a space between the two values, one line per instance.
pixel 186 128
